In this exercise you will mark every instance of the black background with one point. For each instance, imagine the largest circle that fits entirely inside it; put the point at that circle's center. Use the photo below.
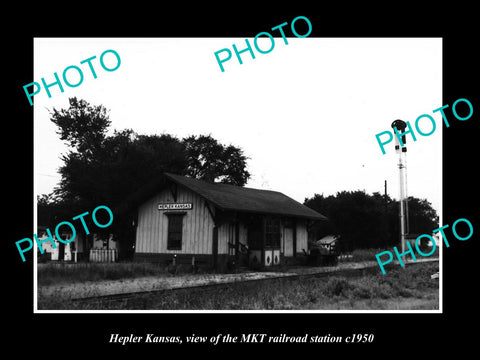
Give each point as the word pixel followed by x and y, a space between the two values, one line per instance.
pixel 406 334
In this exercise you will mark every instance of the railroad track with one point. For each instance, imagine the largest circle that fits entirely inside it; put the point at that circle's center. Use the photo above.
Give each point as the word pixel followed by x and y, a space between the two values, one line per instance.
pixel 347 272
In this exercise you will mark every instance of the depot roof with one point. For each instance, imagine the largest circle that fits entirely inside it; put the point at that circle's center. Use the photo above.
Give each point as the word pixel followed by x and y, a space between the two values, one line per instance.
pixel 237 198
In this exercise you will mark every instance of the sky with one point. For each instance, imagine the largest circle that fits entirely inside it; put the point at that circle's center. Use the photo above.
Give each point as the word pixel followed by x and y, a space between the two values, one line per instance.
pixel 305 114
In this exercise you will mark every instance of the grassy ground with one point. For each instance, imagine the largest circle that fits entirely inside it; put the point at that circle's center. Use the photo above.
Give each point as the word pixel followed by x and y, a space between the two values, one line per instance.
pixel 409 288
pixel 67 273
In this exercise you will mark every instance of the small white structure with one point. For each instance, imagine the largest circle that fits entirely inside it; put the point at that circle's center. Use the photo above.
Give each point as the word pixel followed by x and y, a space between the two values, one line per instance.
pixel 103 250
pixel 100 250
pixel 54 250
pixel 328 241
pixel 412 239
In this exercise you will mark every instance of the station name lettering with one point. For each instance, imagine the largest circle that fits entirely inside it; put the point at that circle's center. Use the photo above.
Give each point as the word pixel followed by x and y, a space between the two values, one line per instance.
pixel 175 206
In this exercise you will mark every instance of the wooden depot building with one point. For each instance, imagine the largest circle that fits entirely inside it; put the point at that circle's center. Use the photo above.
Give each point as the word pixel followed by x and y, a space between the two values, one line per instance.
pixel 201 222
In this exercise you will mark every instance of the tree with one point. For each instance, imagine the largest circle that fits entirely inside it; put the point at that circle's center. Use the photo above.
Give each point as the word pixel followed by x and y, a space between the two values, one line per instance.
pixel 211 161
pixel 81 125
pixel 355 217
pixel 369 221
pixel 422 217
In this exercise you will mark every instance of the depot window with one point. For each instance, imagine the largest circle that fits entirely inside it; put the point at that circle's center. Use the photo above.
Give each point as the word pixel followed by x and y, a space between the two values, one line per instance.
pixel 175 230
pixel 272 232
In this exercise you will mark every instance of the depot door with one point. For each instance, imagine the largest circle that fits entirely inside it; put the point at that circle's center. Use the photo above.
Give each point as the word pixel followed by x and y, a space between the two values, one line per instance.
pixel 288 241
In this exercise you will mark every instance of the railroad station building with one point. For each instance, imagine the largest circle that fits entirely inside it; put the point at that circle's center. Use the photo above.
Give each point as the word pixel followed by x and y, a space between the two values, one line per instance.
pixel 195 221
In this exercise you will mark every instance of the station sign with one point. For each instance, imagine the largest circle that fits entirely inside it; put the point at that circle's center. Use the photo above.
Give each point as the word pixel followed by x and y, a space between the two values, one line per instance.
pixel 175 206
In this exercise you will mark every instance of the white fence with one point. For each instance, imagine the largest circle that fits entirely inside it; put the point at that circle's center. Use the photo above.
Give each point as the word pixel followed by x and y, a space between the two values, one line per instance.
pixel 103 255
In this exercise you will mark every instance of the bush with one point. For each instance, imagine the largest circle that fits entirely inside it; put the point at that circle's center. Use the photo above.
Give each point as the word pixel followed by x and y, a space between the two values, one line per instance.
pixel 369 287
pixel 361 292
pixel 383 291
pixel 337 287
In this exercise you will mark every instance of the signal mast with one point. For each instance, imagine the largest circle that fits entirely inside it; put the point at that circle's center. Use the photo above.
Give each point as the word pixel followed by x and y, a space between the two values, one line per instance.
pixel 400 126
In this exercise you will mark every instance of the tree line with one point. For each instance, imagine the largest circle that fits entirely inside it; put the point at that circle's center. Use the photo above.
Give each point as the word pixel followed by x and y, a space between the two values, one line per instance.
pixel 362 220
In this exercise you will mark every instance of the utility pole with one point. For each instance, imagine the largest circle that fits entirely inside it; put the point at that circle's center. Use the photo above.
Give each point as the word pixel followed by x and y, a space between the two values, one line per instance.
pixel 385 198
